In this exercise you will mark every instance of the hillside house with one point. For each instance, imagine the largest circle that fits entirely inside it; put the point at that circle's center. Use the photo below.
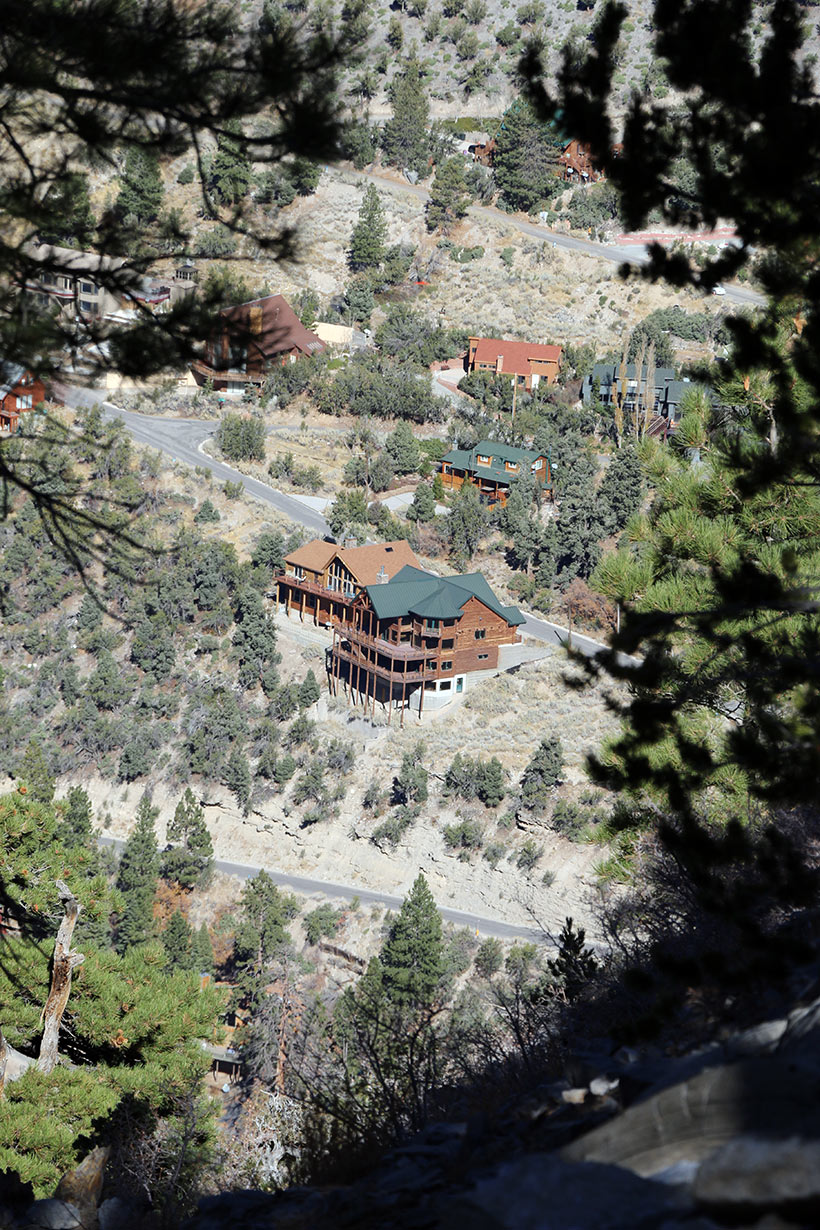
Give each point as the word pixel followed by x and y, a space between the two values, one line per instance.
pixel 20 392
pixel 418 640
pixel 606 384
pixel 492 467
pixel 526 363
pixel 253 337
pixel 320 580
pixel 577 164
pixel 74 282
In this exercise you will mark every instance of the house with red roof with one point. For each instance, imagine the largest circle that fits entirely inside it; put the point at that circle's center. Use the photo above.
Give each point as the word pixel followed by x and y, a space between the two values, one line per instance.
pixel 526 363
pixel 251 338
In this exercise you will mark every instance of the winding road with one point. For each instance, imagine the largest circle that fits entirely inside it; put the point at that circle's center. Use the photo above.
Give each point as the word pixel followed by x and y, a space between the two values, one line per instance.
pixel 635 254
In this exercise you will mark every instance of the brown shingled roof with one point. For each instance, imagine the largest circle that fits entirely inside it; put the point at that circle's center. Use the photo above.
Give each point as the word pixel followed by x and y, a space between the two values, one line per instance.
pixel 385 558
pixel 315 555
pixel 272 327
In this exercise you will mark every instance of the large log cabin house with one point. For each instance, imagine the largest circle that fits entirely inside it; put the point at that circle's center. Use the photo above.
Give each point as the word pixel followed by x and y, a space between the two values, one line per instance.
pixel 402 637
pixel 415 641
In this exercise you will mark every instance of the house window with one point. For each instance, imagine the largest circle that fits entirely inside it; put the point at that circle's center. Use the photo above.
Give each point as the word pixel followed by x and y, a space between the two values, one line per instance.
pixel 511 465
pixel 88 288
pixel 430 685
pixel 446 666
pixel 299 573
pixel 86 305
pixel 448 644
pixel 445 685
pixel 480 633
pixel 47 279
pixel 65 283
pixel 482 656
pixel 521 381
pixel 432 624
pixel 24 402
pixel 482 461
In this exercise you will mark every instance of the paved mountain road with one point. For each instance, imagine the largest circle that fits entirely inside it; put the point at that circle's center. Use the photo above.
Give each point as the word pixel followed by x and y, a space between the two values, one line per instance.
pixel 636 254
pixel 181 440
pixel 367 896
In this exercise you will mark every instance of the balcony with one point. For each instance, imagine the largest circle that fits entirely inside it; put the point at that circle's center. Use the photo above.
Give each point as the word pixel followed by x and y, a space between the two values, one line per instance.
pixel 312 587
pixel 351 654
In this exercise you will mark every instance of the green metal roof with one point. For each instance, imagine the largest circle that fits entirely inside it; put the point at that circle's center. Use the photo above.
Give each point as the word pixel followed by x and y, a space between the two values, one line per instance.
pixel 413 592
pixel 467 459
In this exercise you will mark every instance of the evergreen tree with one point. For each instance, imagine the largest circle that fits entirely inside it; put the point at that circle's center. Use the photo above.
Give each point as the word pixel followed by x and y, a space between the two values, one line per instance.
pixel 72 221
pixel 189 859
pixel 36 774
pixel 575 964
pixel 77 815
pixel 621 490
pixel 542 774
pixel 410 783
pixel 525 160
pixel 177 941
pixel 449 196
pixel 237 777
pixel 309 691
pixel 367 243
pixel 580 526
pixel 492 787
pixel 423 507
pixel 109 687
pixel 137 878
pixel 412 957
pixel 152 648
pixel 231 172
pixel 261 937
pixel 202 952
pixel 141 190
pixel 403 449
pixel 405 136
pixel 466 523
pixel 254 639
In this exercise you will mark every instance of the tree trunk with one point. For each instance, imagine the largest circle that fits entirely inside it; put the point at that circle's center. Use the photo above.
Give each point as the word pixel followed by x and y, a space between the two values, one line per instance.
pixel 65 961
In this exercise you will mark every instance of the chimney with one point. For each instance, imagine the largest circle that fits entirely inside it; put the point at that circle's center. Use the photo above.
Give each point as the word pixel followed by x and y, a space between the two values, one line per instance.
pixel 382 576
pixel 349 544
pixel 499 363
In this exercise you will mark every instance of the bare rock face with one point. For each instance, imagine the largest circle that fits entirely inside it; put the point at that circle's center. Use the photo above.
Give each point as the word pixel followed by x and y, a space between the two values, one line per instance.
pixel 750 1175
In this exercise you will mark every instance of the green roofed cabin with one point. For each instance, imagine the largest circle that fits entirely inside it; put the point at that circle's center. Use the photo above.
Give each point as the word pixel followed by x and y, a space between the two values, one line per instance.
pixel 492 467
pixel 415 641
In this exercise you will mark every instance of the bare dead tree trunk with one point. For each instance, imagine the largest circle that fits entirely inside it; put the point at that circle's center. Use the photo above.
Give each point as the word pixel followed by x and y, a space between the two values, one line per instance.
pixel 3 1058
pixel 65 962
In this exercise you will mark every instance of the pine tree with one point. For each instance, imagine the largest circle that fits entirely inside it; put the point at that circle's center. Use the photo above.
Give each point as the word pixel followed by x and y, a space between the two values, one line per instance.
pixel 621 489
pixel 525 160
pixel 137 878
pixel 423 507
pixel 177 941
pixel 410 783
pixel 309 691
pixel 261 937
pixel 405 136
pixel 492 787
pixel 189 860
pixel 466 523
pixel 35 773
pixel 575 964
pixel 449 196
pixel 141 189
pixel 542 774
pixel 202 952
pixel 72 222
pixel 237 777
pixel 77 814
pixel 412 958
pixel 254 638
pixel 403 449
pixel 367 243
pixel 231 172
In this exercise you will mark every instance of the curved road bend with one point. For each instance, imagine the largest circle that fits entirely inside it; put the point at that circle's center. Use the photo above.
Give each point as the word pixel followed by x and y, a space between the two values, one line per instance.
pixel 632 254
pixel 181 440
pixel 367 896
